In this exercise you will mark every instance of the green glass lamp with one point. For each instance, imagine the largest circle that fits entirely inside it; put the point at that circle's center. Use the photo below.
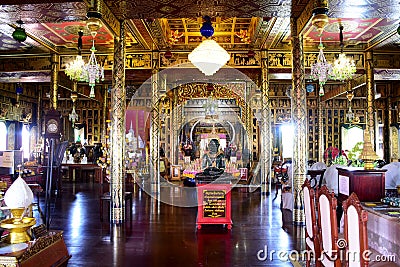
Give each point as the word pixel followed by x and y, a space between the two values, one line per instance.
pixel 19 33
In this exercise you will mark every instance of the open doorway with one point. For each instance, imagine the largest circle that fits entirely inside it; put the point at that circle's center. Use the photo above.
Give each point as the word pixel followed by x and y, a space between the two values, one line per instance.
pixel 352 136
pixel 287 132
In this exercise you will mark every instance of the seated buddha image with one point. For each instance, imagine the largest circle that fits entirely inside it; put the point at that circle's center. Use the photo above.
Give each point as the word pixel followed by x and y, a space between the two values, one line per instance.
pixel 214 157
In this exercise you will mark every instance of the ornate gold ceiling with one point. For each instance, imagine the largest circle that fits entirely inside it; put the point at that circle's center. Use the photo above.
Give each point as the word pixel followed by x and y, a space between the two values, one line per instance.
pixel 52 26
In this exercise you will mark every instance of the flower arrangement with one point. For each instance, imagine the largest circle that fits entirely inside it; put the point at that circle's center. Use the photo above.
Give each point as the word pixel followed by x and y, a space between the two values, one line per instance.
pixel 354 155
pixel 334 155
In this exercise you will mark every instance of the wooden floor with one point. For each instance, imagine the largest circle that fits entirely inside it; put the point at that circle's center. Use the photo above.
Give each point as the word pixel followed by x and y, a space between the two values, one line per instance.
pixel 165 235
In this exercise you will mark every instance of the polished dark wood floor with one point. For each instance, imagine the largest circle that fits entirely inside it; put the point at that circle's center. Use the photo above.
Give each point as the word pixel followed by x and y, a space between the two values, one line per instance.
pixel 165 235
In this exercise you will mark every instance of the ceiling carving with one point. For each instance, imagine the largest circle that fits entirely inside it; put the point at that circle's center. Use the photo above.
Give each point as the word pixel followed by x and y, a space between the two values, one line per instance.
pixel 158 25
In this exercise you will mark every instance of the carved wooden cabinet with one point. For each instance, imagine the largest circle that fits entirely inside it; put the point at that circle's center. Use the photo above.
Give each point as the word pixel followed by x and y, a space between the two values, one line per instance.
pixel 48 250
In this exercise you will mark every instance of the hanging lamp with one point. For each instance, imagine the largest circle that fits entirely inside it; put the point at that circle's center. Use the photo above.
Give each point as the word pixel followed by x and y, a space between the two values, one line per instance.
pixel 343 67
pixel 209 56
pixel 74 68
pixel 321 70
pixel 19 33
pixel 92 72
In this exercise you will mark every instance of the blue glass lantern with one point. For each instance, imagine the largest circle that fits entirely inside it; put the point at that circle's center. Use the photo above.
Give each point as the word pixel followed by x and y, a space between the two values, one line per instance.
pixel 207 29
pixel 310 88
pixel 18 89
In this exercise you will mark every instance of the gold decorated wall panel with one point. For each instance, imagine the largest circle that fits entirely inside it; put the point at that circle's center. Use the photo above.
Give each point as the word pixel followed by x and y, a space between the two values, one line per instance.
pixel 283 59
pixel 391 61
pixel 237 59
pixel 132 60
pixel 333 115
pixel 25 64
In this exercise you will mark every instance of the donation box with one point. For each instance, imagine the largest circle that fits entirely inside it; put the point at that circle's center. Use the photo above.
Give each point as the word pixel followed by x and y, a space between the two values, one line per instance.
pixel 214 204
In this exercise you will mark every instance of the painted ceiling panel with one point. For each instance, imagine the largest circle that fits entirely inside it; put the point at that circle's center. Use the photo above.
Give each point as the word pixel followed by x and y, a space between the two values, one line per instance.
pixel 239 25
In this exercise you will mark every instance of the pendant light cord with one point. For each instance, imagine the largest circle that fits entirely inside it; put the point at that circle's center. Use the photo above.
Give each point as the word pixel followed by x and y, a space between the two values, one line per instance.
pixel 341 38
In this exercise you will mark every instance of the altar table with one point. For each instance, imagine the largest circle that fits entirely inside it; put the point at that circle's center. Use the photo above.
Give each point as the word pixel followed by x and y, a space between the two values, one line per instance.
pixel 76 171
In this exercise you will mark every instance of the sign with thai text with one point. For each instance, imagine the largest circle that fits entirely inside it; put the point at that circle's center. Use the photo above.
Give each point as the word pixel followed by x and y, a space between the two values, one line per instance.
pixel 214 204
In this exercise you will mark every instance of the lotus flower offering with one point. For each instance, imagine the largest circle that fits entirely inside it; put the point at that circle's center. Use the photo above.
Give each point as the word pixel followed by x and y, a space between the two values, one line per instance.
pixel 18 198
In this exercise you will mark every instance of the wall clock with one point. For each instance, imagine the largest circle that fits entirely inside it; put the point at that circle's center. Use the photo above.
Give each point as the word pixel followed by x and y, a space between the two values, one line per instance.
pixel 52 124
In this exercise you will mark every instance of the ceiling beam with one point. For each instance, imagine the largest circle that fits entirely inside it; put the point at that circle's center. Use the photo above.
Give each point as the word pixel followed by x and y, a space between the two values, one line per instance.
pixel 387 36
pixel 355 84
pixel 39 41
pixel 131 26
pixel 305 17
pixel 107 17
pixel 79 94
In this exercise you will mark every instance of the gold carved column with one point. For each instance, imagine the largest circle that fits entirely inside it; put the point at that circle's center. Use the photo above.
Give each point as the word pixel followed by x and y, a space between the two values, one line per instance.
pixel 117 135
pixel 180 120
pixel 155 122
pixel 105 115
pixel 299 117
pixel 249 118
pixel 175 126
pixel 265 156
pixel 55 67
pixel 370 92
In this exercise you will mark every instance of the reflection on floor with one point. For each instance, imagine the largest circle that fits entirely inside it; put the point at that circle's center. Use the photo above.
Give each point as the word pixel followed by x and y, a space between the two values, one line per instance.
pixel 165 235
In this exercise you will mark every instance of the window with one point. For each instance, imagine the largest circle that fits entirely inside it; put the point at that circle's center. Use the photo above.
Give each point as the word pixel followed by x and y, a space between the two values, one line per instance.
pixel 287 140
pixel 26 137
pixel 3 136
pixel 351 136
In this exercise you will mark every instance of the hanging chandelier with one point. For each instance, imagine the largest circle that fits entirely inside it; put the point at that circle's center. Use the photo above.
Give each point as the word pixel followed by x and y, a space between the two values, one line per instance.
pixel 73 116
pixel 321 70
pixel 208 56
pixel 211 108
pixel 74 69
pixel 350 114
pixel 343 68
pixel 92 72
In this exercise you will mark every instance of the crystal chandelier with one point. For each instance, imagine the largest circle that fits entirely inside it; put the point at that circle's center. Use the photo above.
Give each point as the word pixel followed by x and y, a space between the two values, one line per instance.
pixel 92 72
pixel 350 114
pixel 211 108
pixel 209 56
pixel 73 116
pixel 74 68
pixel 321 70
pixel 343 68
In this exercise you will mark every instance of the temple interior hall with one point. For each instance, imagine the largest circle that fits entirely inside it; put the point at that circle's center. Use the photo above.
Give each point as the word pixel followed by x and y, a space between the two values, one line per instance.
pixel 199 133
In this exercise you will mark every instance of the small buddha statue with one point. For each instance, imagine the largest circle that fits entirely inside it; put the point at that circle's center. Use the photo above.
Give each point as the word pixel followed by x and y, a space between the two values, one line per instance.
pixel 214 157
